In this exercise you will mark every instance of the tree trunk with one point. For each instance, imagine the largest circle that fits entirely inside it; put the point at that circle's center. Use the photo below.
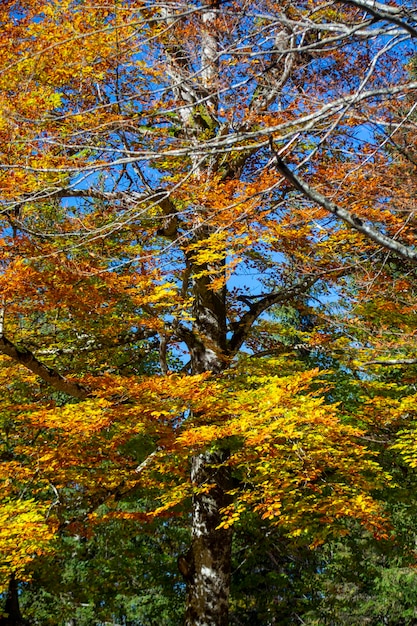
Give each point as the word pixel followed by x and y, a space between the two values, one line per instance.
pixel 210 553
pixel 206 568
pixel 12 609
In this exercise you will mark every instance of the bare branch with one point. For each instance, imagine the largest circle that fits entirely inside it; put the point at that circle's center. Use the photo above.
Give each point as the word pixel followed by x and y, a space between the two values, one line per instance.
pixel 380 11
pixel 242 327
pixel 391 362
pixel 147 461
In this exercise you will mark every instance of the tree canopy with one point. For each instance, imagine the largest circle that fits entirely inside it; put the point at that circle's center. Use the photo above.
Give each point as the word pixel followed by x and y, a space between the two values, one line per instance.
pixel 207 308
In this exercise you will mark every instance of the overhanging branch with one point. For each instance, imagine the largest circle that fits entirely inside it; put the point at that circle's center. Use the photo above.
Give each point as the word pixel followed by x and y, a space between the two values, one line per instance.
pixel 387 13
pixel 52 377
pixel 349 218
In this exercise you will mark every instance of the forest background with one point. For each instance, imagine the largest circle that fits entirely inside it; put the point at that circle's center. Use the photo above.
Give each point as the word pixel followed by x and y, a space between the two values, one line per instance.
pixel 208 318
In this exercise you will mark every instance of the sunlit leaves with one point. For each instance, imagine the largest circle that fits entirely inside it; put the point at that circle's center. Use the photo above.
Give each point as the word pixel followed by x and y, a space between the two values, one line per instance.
pixel 147 235
pixel 301 466
pixel 24 535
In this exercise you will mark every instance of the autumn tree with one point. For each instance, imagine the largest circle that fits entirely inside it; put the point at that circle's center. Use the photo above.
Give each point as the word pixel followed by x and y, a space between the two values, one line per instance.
pixel 169 173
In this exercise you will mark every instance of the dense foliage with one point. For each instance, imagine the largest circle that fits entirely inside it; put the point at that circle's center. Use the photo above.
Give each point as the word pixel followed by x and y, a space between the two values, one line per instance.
pixel 207 312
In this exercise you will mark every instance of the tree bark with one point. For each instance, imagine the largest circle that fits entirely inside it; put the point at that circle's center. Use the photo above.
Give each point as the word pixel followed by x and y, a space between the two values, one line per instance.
pixel 210 554
pixel 206 568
